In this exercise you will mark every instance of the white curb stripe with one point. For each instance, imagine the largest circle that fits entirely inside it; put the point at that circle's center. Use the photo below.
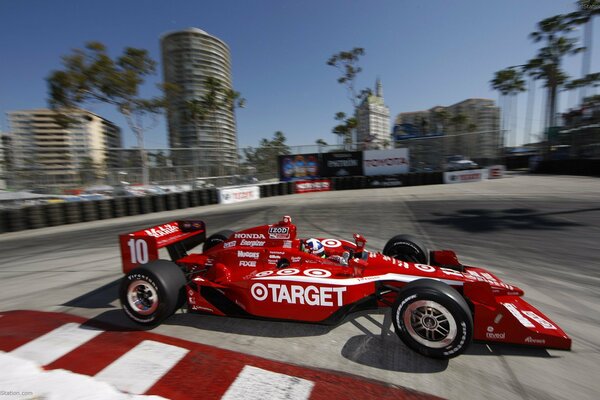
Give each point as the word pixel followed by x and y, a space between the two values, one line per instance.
pixel 55 344
pixel 141 367
pixel 258 384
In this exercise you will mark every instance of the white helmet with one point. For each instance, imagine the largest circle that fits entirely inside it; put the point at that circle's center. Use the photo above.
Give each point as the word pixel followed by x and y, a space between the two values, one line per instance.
pixel 314 246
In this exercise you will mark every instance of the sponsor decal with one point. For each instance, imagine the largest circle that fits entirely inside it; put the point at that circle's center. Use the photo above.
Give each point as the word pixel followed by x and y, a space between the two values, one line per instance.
pixel 239 194
pixel 531 340
pixel 296 259
pixel 473 175
pixel 295 294
pixel 517 314
pixel 196 308
pixel 495 335
pixel 278 252
pixel 287 244
pixel 252 243
pixel 249 236
pixel 539 320
pixel 331 243
pixel 245 263
pixel 278 232
pixel 264 273
pixel 288 271
pixel 495 171
pixel 161 230
pixel 448 271
pixel 323 185
pixel 248 254
pixel 227 245
pixel 385 162
pixel 274 256
pixel 318 273
pixel 425 268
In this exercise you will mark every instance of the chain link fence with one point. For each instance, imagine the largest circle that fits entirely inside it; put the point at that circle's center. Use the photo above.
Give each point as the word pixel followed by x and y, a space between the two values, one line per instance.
pixel 56 171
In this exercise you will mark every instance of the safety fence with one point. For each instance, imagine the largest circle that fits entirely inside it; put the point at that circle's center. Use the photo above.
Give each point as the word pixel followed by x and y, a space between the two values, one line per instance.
pixel 47 215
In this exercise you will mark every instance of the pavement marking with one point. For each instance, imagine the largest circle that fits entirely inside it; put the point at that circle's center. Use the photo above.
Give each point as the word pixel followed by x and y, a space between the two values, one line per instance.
pixel 258 384
pixel 141 367
pixel 55 344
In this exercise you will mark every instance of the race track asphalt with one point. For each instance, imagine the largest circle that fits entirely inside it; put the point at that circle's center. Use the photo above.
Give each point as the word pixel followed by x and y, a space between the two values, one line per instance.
pixel 541 233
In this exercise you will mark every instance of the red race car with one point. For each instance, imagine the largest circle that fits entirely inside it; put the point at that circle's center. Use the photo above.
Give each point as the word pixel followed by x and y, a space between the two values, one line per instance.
pixel 438 305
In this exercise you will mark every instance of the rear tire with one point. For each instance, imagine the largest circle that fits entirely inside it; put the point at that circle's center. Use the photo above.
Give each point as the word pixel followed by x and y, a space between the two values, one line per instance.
pixel 406 248
pixel 217 238
pixel 151 293
pixel 433 319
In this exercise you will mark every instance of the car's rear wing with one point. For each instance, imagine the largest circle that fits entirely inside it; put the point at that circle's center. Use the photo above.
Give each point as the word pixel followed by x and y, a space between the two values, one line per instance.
pixel 142 246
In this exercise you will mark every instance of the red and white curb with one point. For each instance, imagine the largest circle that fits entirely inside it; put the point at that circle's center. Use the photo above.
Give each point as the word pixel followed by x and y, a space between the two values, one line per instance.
pixel 59 356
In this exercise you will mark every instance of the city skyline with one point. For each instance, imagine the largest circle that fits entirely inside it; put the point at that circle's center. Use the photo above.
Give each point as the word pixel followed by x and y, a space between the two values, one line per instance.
pixel 427 54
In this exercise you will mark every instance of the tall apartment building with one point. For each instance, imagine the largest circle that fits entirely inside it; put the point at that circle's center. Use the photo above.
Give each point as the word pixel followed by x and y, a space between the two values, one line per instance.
pixel 54 155
pixel 373 120
pixel 3 160
pixel 190 57
pixel 470 127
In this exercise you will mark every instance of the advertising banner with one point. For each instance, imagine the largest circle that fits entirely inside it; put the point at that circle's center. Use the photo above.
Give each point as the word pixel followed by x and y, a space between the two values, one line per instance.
pixel 468 175
pixel 342 163
pixel 238 194
pixel 496 171
pixel 385 162
pixel 299 167
pixel 319 185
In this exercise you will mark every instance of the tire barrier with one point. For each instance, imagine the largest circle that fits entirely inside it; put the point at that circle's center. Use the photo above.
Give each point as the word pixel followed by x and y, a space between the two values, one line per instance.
pixel 118 207
pixel 104 209
pixel 16 220
pixel 183 200
pixel 194 198
pixel 54 214
pixel 585 167
pixel 35 218
pixel 145 205
pixel 213 196
pixel 132 205
pixel 89 211
pixel 72 212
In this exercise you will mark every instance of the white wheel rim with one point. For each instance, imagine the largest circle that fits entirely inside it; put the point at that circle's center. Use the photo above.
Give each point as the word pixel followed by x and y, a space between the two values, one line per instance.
pixel 142 297
pixel 430 324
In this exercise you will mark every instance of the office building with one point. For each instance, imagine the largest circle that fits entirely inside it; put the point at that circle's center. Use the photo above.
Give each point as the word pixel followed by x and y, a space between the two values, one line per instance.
pixel 47 153
pixel 190 57
pixel 373 120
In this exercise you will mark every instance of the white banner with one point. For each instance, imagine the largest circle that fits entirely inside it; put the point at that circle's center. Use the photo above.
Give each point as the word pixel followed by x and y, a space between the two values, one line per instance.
pixel 468 175
pixel 496 171
pixel 238 194
pixel 385 162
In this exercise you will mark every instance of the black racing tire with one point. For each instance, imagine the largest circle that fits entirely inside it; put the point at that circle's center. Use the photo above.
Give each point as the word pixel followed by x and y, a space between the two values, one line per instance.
pixel 406 248
pixel 433 319
pixel 217 238
pixel 151 293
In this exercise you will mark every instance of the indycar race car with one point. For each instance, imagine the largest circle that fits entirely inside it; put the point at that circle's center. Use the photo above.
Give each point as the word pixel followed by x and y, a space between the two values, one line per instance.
pixel 438 305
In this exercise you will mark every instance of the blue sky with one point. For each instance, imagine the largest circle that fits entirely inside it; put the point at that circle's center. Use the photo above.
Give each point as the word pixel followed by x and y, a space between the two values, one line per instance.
pixel 426 53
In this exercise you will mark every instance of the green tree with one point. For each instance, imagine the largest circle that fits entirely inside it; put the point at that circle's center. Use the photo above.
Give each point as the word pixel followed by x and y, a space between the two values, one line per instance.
pixel 216 98
pixel 509 82
pixel 546 65
pixel 265 157
pixel 321 143
pixel 347 63
pixel 91 75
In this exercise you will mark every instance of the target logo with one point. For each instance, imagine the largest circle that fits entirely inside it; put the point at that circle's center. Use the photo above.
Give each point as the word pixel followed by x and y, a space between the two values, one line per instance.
pixel 317 273
pixel 259 291
pixel 425 268
pixel 290 271
pixel 331 243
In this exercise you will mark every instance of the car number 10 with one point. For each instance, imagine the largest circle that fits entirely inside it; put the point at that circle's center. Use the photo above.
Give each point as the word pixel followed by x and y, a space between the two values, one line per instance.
pixel 138 248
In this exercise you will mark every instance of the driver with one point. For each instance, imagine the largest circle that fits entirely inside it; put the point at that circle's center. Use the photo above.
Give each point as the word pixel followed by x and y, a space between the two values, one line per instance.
pixel 315 247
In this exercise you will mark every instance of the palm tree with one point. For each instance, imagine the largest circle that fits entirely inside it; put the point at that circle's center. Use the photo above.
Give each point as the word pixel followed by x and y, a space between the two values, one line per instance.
pixel 586 11
pixel 547 63
pixel 509 82
pixel 321 143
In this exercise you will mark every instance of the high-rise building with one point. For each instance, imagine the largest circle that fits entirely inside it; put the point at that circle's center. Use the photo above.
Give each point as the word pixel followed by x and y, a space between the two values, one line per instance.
pixel 190 57
pixel 470 128
pixel 3 160
pixel 373 120
pixel 52 154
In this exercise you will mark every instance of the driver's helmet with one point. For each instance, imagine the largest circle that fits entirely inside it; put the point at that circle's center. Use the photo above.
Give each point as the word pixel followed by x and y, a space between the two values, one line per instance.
pixel 314 246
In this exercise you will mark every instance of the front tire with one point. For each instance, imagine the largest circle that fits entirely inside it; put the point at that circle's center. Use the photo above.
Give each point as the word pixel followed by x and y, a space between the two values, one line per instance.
pixel 217 238
pixel 406 248
pixel 151 293
pixel 433 319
